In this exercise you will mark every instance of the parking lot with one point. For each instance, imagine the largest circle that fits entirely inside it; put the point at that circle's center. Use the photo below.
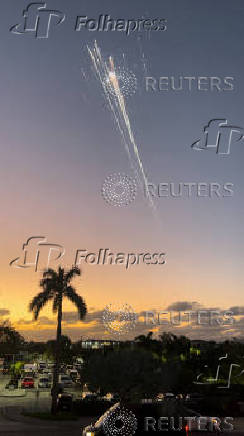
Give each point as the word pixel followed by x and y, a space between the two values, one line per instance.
pixel 36 397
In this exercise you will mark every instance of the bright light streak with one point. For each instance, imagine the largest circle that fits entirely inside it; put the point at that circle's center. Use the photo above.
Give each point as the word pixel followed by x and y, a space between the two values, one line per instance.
pixel 106 74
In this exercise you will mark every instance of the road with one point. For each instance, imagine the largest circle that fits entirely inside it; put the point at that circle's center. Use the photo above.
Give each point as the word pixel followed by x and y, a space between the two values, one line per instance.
pixel 41 428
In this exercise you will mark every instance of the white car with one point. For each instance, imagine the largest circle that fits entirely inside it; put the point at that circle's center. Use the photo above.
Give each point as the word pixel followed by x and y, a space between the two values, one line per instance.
pixel 50 366
pixel 44 382
pixel 65 380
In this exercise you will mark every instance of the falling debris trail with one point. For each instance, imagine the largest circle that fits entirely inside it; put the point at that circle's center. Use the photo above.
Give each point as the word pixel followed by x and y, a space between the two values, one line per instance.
pixel 108 75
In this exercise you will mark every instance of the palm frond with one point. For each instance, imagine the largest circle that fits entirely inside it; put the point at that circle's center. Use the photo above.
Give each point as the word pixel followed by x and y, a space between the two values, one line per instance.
pixel 39 301
pixel 47 284
pixel 74 271
pixel 77 300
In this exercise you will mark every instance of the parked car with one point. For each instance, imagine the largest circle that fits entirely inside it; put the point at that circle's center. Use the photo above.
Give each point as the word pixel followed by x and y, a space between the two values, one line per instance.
pixel 27 383
pixel 90 397
pixel 6 369
pixel 73 373
pixel 45 372
pixel 50 366
pixel 65 381
pixel 12 384
pixel 65 401
pixel 44 382
pixel 41 367
pixel 30 374
pixel 30 368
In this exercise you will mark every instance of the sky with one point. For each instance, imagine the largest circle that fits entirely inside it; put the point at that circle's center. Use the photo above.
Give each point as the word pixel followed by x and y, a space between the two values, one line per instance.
pixel 60 141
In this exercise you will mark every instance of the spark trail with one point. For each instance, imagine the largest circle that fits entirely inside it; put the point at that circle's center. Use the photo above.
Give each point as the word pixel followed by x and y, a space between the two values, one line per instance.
pixel 107 75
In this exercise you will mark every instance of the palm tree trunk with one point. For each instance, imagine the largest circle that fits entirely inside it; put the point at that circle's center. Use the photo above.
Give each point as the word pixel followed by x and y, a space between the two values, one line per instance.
pixel 57 359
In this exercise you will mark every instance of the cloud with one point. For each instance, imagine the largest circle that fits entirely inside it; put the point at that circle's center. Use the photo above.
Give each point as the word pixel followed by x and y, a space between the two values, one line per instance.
pixel 4 312
pixel 70 317
pixel 184 305
pixel 91 317
pixel 42 320
pixel 94 316
pixel 22 321
pixel 237 310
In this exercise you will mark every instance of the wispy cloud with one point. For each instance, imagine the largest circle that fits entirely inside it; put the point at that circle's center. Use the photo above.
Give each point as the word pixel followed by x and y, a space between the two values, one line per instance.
pixel 4 312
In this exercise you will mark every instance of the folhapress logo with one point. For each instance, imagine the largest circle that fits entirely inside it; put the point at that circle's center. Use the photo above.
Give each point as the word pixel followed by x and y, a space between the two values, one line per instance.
pixel 219 135
pixel 31 252
pixel 38 19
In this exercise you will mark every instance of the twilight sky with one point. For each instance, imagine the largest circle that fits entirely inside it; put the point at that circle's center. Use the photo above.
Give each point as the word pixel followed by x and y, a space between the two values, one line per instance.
pixel 59 142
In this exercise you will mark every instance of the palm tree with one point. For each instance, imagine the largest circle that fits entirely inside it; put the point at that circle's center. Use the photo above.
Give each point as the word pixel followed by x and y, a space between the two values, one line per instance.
pixel 56 286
